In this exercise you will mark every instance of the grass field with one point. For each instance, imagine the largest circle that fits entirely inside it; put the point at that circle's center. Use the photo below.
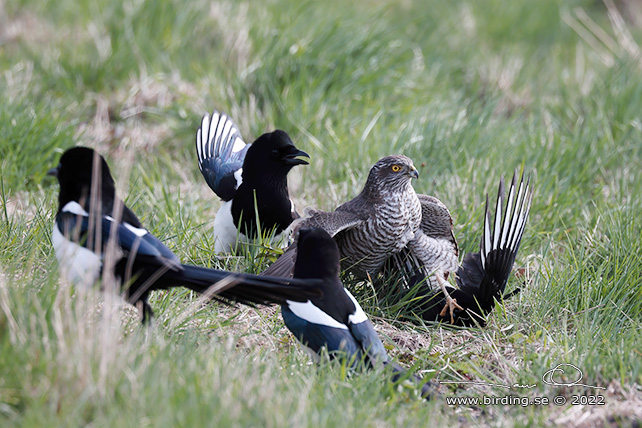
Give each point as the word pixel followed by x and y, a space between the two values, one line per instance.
pixel 469 90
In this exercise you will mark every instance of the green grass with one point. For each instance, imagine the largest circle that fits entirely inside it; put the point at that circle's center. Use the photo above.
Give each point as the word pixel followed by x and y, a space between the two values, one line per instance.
pixel 470 91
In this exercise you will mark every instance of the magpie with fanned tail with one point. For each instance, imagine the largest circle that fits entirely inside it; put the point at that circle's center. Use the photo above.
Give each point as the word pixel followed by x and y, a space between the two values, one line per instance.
pixel 95 234
pixel 335 322
pixel 250 179
pixel 482 277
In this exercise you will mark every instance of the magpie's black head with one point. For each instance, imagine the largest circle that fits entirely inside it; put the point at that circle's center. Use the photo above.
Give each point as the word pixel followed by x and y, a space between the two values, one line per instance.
pixel 273 153
pixel 392 173
pixel 77 169
pixel 317 255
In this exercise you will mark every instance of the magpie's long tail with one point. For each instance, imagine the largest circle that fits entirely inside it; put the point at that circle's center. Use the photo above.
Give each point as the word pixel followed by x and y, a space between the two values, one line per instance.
pixel 247 288
pixel 227 286
pixel 482 277
pixel 399 372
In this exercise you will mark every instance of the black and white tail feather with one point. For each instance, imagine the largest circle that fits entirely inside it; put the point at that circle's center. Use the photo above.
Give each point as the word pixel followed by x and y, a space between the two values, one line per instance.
pixel 482 277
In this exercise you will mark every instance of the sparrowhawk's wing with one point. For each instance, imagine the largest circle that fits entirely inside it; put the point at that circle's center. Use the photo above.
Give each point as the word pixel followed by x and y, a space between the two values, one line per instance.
pixel 436 221
pixel 349 215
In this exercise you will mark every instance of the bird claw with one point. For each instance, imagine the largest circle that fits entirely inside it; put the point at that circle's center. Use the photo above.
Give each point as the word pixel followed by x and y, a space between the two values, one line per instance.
pixel 451 305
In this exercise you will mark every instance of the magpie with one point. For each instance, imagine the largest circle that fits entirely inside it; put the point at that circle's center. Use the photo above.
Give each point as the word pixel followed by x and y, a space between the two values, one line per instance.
pixel 482 277
pixel 334 322
pixel 94 229
pixel 250 179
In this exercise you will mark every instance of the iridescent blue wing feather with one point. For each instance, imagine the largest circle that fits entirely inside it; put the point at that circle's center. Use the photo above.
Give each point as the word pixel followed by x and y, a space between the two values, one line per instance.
pixel 221 151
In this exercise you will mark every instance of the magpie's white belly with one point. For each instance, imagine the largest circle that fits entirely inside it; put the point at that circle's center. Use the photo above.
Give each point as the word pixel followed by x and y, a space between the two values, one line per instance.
pixel 227 237
pixel 78 265
pixel 225 233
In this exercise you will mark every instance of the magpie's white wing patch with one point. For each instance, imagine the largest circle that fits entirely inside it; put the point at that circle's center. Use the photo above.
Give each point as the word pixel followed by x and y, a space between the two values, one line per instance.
pixel 309 312
pixel 238 176
pixel 358 316
pixel 74 208
pixel 135 230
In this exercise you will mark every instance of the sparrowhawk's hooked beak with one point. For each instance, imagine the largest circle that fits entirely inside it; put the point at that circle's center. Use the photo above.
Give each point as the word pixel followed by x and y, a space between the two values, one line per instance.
pixel 412 171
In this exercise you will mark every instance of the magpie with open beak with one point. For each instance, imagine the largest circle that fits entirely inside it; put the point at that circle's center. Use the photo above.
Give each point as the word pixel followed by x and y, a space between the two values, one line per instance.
pixel 250 179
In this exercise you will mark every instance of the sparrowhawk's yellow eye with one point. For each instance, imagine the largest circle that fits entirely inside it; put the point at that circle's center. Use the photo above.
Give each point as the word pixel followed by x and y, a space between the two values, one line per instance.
pixel 396 168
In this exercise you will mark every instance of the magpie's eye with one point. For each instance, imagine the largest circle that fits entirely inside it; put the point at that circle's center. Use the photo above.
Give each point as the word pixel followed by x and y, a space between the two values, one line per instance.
pixel 275 153
pixel 396 168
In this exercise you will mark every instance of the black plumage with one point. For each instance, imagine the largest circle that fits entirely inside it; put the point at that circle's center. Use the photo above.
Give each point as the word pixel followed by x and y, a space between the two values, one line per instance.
pixel 250 179
pixel 334 322
pixel 93 227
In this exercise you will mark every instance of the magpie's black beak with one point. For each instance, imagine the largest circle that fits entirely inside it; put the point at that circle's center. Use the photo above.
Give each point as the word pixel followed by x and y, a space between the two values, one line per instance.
pixel 53 171
pixel 294 158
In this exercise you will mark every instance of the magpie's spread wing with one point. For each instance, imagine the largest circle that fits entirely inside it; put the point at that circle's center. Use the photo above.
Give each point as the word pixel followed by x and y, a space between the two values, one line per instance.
pixel 130 240
pixel 500 240
pixel 221 151
pixel 482 276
